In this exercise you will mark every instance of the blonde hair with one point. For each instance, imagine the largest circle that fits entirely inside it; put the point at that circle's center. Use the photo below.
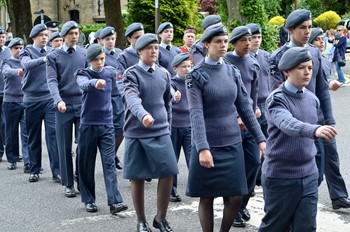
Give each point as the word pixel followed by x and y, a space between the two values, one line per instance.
pixel 341 27
pixel 332 32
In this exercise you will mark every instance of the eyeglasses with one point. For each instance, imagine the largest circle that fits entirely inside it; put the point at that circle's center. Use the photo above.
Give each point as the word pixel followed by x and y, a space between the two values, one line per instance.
pixel 339 30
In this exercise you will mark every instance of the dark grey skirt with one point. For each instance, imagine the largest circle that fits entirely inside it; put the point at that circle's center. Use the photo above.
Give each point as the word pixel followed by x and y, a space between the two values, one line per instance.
pixel 226 178
pixel 150 158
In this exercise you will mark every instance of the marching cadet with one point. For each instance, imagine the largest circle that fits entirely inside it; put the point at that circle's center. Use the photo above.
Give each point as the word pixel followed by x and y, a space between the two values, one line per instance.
pixel 55 40
pixel 299 24
pixel 249 68
pixel 5 53
pixel 197 49
pixel 108 37
pixel 149 153
pixel 167 51
pixel 97 130
pixel 61 66
pixel 129 56
pixel 39 104
pixel 13 108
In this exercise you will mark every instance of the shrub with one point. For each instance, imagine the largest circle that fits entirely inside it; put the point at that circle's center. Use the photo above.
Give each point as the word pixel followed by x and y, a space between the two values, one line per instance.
pixel 327 20
pixel 276 21
pixel 208 6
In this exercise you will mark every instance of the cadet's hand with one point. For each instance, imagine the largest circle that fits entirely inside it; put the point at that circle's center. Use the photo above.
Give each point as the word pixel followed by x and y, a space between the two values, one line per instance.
pixel 326 132
pixel 147 121
pixel 61 106
pixel 257 113
pixel 334 85
pixel 206 159
pixel 262 146
pixel 240 123
pixel 100 84
pixel 20 72
pixel 177 96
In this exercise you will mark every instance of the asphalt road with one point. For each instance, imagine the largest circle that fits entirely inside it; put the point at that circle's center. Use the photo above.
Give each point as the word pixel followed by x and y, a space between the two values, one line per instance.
pixel 42 206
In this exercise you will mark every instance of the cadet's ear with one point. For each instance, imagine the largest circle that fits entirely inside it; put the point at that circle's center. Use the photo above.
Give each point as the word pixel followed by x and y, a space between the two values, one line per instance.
pixel 286 74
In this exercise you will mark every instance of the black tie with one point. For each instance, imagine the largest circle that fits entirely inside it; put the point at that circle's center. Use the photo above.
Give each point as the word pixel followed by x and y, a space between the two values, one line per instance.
pixel 300 91
pixel 168 47
pixel 150 70
pixel 70 50
pixel 112 53
pixel 42 50
pixel 256 55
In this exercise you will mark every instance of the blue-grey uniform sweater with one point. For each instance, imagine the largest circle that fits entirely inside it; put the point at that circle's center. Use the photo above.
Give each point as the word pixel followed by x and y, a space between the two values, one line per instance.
pixel 34 86
pixel 215 94
pixel 13 83
pixel 166 57
pixel 5 54
pixel 127 58
pixel 249 69
pixel 96 103
pixel 318 84
pixel 264 90
pixel 290 148
pixel 111 60
pixel 197 52
pixel 147 93
pixel 61 67
pixel 180 110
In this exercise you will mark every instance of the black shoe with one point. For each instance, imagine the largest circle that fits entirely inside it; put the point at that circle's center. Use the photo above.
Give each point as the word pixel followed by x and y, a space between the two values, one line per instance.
pixel 341 202
pixel 11 166
pixel 116 208
pixel 26 168
pixel 245 214
pixel 175 198
pixel 148 180
pixel 57 178
pixel 143 227
pixel 118 164
pixel 70 192
pixel 91 207
pixel 33 177
pixel 238 221
pixel 163 225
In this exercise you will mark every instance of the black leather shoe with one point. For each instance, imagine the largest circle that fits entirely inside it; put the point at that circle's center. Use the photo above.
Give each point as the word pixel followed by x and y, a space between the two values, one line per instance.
pixel 116 208
pixel 143 227
pixel 238 221
pixel 56 178
pixel 70 192
pixel 118 164
pixel 245 214
pixel 26 168
pixel 175 198
pixel 11 166
pixel 341 202
pixel 33 177
pixel 91 207
pixel 163 225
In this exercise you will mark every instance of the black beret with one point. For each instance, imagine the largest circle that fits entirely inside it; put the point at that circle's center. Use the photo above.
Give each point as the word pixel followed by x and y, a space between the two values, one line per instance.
pixel 2 30
pixel 255 28
pixel 297 17
pixel 107 31
pixel 53 25
pixel 93 50
pixel 211 20
pixel 97 34
pixel 238 32
pixel 145 40
pixel 37 29
pixel 54 35
pixel 15 41
pixel 133 28
pixel 293 57
pixel 179 58
pixel 164 26
pixel 214 30
pixel 315 32
pixel 68 26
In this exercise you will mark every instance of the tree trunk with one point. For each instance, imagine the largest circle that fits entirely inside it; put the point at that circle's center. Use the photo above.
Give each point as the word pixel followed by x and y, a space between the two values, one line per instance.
pixel 233 10
pixel 113 13
pixel 21 22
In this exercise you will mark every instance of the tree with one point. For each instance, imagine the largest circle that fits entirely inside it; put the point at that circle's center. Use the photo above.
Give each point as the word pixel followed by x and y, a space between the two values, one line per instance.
pixel 21 25
pixel 113 14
